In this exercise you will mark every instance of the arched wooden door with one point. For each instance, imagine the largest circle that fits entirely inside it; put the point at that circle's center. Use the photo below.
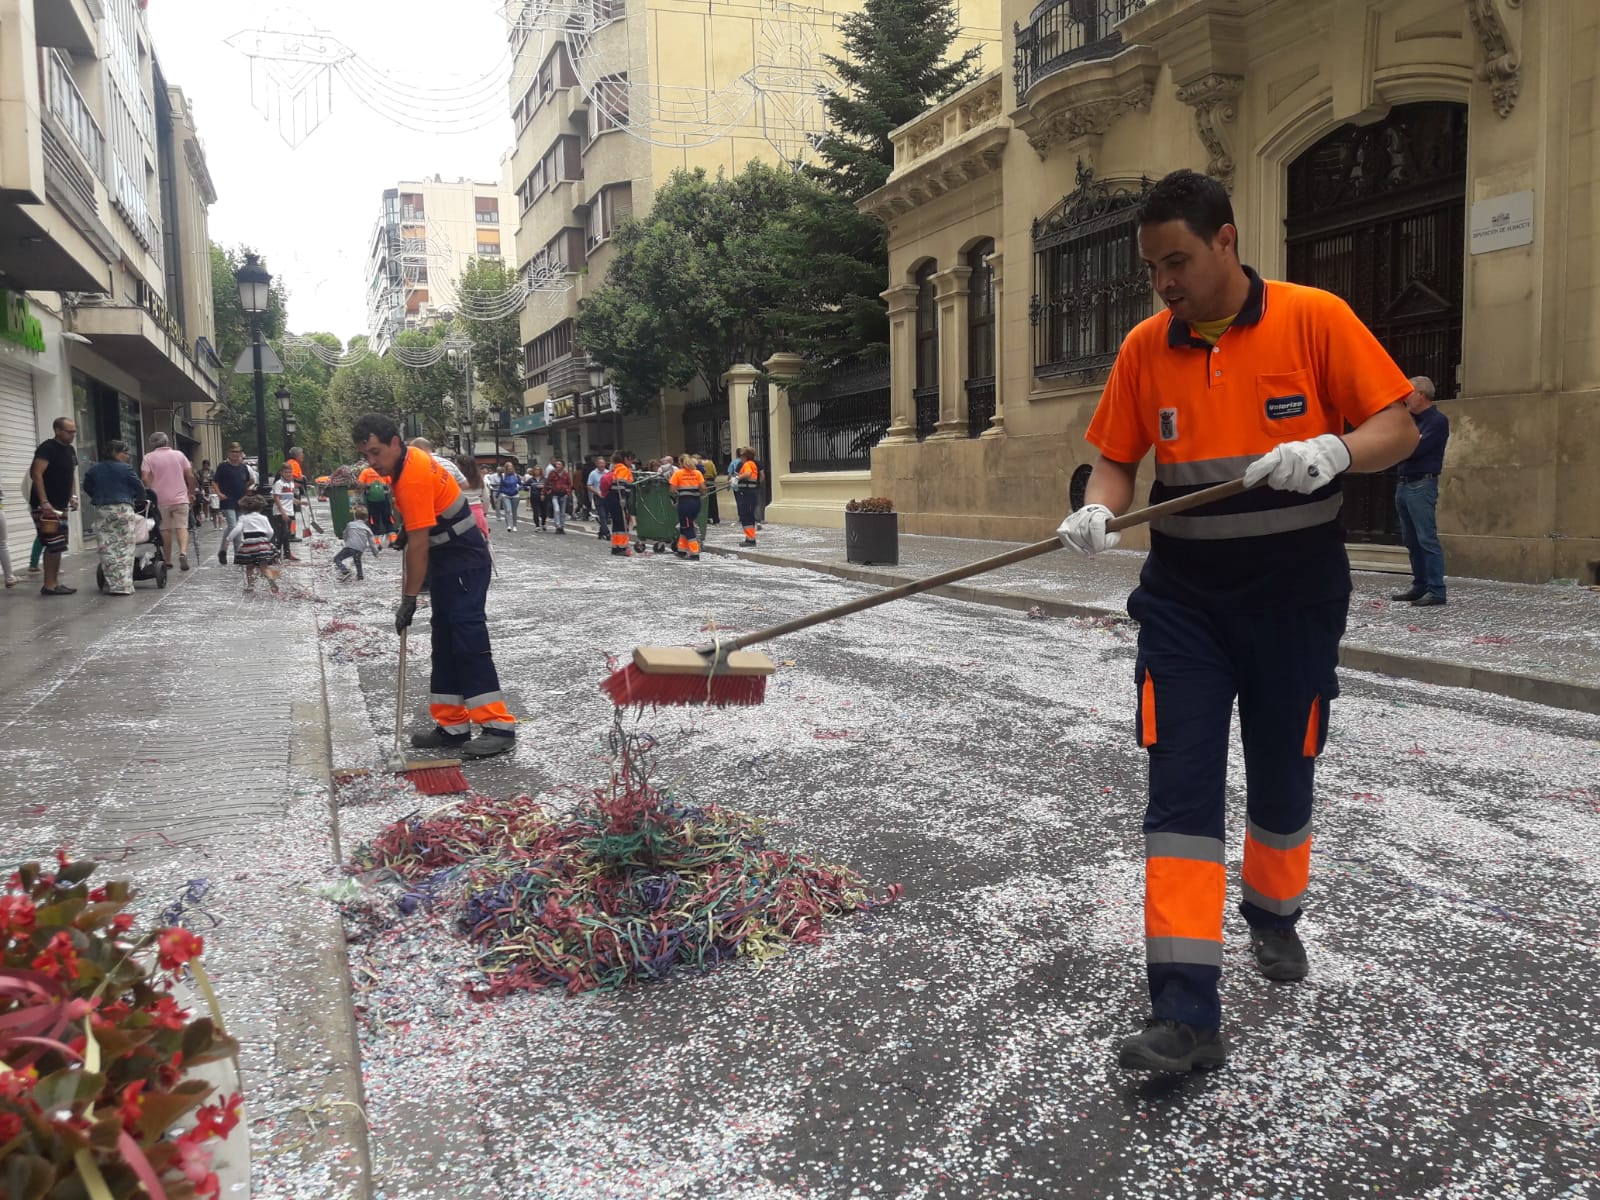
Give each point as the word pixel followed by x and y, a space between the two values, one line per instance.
pixel 1377 215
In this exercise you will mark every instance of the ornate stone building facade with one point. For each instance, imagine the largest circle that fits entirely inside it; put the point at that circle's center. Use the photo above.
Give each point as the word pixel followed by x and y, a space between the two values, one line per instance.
pixel 1435 162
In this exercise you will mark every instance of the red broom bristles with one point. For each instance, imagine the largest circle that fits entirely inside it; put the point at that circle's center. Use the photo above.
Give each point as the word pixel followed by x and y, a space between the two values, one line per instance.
pixel 437 781
pixel 633 688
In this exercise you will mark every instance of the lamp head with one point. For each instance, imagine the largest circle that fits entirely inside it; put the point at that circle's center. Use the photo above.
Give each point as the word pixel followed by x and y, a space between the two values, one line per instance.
pixel 255 285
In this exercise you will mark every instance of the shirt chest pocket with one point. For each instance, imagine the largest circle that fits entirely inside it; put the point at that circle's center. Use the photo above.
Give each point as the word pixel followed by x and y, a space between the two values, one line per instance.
pixel 1288 408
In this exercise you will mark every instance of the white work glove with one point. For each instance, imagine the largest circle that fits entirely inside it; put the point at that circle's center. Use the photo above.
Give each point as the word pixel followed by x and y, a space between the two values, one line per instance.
pixel 1085 530
pixel 1302 467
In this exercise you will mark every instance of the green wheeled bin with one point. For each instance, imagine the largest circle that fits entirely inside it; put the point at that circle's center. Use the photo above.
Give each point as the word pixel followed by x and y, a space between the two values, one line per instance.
pixel 339 507
pixel 655 515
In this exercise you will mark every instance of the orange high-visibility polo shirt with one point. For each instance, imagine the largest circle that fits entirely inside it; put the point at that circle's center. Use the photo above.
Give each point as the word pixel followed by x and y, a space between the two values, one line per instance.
pixel 1296 363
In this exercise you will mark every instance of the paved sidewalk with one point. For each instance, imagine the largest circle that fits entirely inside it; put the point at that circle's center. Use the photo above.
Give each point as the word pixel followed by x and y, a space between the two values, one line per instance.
pixel 181 735
pixel 1538 642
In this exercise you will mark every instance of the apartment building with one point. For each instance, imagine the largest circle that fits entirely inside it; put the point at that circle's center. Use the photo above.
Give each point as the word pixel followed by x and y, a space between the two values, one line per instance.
pixel 104 245
pixel 426 233
pixel 1435 164
pixel 609 97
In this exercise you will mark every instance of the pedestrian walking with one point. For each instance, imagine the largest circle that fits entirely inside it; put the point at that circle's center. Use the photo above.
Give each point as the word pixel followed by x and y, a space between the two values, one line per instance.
pixel 491 481
pixel 597 497
pixel 1245 597
pixel 231 484
pixel 558 492
pixel 53 493
pixel 202 497
pixel 708 468
pixel 255 542
pixel 1416 497
pixel 510 496
pixel 477 490
pixel 167 473
pixel 747 493
pixel 445 547
pixel 688 490
pixel 358 540
pixel 533 488
pixel 116 490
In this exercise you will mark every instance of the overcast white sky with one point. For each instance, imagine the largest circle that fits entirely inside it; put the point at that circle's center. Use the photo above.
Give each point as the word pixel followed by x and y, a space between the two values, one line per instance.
pixel 309 211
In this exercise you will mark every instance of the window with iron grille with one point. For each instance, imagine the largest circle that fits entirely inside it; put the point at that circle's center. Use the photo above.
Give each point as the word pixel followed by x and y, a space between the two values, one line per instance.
pixel 980 338
pixel 1089 283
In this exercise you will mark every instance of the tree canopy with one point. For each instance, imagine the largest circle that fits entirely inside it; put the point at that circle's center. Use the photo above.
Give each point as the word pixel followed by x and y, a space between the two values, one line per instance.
pixel 896 63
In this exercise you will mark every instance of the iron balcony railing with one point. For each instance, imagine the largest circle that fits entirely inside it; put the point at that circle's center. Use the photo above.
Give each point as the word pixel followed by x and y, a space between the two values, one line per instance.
pixel 69 107
pixel 1061 32
pixel 980 405
pixel 835 425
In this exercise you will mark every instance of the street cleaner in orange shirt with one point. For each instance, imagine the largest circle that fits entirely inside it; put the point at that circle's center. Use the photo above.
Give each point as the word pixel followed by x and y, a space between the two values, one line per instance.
pixel 616 503
pixel 746 492
pixel 689 489
pixel 443 544
pixel 1245 598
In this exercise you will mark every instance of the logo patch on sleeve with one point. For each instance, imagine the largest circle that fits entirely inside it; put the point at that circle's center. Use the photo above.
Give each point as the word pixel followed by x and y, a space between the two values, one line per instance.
pixel 1169 424
pixel 1281 407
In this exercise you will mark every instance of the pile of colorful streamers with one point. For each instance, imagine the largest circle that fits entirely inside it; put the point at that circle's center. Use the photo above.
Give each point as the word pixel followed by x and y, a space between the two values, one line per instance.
pixel 628 887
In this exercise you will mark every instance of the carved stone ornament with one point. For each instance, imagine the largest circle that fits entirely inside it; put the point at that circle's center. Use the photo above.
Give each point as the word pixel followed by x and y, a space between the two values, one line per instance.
pixel 1498 24
pixel 1091 119
pixel 1212 97
pixel 982 107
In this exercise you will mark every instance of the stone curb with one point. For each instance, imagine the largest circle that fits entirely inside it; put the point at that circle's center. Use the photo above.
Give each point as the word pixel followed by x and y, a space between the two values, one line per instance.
pixel 1557 693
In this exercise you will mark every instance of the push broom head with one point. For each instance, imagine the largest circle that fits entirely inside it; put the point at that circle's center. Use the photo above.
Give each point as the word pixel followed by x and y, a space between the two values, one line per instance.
pixel 430 776
pixel 678 675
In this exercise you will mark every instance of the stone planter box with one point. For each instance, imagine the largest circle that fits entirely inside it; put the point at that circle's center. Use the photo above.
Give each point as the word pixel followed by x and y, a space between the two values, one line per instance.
pixel 872 538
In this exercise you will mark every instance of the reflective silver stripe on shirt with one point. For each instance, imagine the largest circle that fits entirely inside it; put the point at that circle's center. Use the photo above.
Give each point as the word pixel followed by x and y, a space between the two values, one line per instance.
pixel 1250 524
pixel 1184 845
pixel 1183 950
pixel 1203 471
pixel 1281 841
pixel 1283 908
pixel 457 519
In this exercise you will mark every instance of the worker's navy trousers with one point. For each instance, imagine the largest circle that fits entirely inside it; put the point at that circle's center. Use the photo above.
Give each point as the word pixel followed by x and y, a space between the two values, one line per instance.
pixel 465 686
pixel 1192 664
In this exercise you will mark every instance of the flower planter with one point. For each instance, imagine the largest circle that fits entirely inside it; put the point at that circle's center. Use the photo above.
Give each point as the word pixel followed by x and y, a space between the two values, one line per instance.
pixel 871 537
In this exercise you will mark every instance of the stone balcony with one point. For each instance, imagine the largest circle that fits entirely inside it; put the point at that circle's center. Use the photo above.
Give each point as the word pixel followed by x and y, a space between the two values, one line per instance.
pixel 948 147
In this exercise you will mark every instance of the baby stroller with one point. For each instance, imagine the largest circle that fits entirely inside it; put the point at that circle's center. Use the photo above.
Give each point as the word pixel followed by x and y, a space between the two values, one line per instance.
pixel 148 561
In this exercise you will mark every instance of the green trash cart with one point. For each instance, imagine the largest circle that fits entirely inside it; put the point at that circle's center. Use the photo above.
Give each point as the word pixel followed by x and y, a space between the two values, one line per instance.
pixel 339 507
pixel 655 515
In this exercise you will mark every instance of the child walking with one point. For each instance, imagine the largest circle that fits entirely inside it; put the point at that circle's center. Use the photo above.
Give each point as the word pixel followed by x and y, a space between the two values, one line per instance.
pixel 357 539
pixel 253 539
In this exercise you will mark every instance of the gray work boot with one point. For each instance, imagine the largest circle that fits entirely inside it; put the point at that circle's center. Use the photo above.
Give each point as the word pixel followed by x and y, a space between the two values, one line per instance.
pixel 1173 1048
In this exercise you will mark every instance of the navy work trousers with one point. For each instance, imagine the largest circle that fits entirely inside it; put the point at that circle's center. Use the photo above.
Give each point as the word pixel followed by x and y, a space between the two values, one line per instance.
pixel 464 683
pixel 1192 663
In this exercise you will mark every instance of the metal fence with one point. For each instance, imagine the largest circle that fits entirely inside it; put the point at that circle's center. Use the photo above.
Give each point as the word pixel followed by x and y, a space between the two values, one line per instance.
pixel 835 425
pixel 927 402
pixel 980 405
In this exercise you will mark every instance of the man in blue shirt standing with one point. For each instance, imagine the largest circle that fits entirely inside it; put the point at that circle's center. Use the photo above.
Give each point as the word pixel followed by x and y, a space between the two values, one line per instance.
pixel 1417 496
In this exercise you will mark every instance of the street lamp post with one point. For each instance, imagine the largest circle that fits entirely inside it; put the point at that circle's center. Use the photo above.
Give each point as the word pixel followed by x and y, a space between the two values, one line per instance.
pixel 284 400
pixel 255 295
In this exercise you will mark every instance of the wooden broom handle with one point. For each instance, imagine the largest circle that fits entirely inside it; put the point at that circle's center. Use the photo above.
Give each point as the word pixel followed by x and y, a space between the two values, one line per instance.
pixel 1138 516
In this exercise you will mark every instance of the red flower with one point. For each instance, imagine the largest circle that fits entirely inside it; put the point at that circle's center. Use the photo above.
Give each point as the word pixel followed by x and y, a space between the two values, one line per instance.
pixel 122 922
pixel 97 895
pixel 218 1120
pixel 167 1015
pixel 195 1163
pixel 16 915
pixel 131 1108
pixel 58 960
pixel 171 1075
pixel 177 946
pixel 10 1126
pixel 15 1085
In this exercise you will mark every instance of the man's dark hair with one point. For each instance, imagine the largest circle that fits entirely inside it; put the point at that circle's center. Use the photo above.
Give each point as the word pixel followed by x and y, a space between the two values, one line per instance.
pixel 375 425
pixel 1197 200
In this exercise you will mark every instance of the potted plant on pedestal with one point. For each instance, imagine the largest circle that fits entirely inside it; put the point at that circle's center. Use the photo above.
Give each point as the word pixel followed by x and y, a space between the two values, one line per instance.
pixel 872 531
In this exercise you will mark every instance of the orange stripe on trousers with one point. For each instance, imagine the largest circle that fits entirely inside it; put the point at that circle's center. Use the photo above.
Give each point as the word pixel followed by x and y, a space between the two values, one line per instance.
pixel 1184 898
pixel 1277 874
pixel 1313 728
pixel 1147 710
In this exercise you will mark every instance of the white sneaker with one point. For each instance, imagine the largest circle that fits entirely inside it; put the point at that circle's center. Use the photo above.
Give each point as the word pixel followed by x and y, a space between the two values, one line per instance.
pixel 11 581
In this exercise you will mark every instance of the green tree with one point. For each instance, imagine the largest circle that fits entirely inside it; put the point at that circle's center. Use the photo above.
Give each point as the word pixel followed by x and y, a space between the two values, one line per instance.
pixel 484 290
pixel 421 391
pixel 370 384
pixel 730 270
pixel 896 63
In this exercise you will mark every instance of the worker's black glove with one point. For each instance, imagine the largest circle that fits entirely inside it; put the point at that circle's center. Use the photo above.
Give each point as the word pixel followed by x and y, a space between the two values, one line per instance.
pixel 404 611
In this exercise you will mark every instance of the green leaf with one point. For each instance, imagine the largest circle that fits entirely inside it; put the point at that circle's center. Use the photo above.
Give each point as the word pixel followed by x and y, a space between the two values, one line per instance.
pixel 76 872
pixel 65 1088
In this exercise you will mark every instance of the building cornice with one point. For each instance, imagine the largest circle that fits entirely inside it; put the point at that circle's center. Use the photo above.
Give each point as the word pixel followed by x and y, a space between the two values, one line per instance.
pixel 1084 99
pixel 944 150
pixel 1498 24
